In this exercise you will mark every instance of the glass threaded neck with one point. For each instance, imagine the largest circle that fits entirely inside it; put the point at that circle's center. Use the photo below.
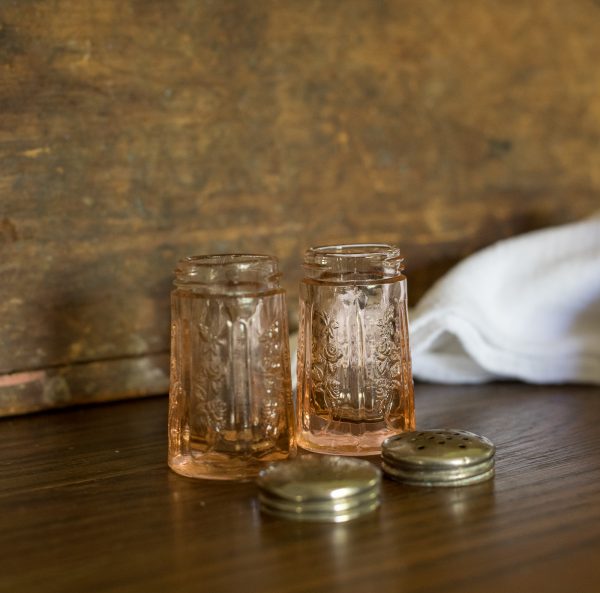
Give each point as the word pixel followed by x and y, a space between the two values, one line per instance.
pixel 228 273
pixel 358 263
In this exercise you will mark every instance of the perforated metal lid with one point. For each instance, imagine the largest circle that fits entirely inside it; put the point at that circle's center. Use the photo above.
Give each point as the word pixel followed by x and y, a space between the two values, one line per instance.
pixel 440 457
pixel 320 488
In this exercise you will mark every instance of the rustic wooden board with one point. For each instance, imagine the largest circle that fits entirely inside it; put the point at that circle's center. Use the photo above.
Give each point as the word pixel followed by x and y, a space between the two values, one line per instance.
pixel 133 133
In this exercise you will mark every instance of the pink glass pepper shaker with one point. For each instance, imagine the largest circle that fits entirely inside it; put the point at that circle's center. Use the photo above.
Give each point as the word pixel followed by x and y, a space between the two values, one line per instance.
pixel 355 383
pixel 230 408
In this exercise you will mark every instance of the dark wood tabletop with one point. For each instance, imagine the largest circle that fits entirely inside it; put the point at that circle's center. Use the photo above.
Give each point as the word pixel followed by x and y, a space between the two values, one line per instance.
pixel 87 503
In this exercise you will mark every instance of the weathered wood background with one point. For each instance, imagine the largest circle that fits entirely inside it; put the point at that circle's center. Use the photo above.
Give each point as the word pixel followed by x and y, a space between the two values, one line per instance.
pixel 134 132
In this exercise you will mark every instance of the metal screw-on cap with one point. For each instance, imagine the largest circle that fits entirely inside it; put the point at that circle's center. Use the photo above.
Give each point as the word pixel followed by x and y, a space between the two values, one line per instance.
pixel 441 457
pixel 319 488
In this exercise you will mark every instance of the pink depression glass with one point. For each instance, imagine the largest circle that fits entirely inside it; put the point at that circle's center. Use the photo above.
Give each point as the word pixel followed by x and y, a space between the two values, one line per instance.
pixel 230 407
pixel 355 385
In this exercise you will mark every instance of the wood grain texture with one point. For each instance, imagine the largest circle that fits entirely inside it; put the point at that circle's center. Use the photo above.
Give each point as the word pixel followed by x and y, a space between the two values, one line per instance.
pixel 88 504
pixel 81 383
pixel 133 133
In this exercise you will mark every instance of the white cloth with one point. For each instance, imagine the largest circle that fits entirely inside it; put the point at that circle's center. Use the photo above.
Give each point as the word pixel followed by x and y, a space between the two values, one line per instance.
pixel 526 308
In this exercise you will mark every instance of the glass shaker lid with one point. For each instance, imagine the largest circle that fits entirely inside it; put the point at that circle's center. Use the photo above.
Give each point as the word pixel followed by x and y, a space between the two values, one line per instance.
pixel 438 457
pixel 319 488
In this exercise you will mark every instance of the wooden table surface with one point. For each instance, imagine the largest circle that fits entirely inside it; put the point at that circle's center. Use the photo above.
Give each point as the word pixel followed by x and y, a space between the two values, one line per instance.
pixel 87 504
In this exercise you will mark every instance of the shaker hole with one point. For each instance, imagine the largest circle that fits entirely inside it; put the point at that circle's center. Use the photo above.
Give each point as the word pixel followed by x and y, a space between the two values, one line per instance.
pixel 441 442
pixel 421 447
pixel 462 446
